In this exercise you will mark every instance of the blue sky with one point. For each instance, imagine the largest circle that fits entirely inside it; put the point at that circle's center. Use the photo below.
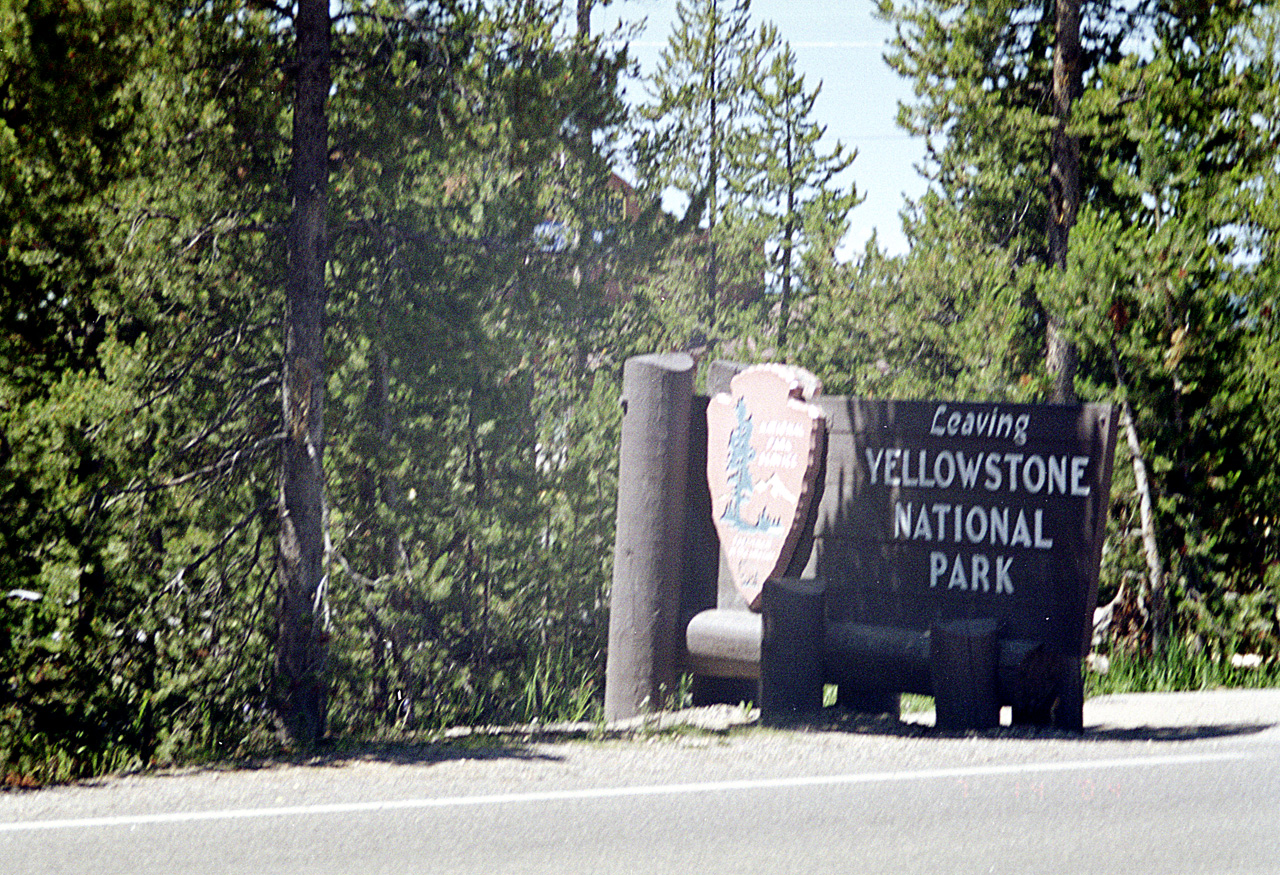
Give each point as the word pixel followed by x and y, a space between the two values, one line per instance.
pixel 840 44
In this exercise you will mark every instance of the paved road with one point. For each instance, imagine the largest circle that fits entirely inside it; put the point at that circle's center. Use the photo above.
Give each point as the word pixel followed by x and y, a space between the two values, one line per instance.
pixel 1158 784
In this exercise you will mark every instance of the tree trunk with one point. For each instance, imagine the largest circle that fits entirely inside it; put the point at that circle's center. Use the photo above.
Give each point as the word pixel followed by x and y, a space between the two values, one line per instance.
pixel 1064 189
pixel 1152 607
pixel 788 244
pixel 1061 358
pixel 302 610
pixel 713 166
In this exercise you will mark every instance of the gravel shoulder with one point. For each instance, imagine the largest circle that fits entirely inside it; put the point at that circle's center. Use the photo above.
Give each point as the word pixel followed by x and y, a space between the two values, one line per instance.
pixel 592 798
pixel 1158 712
pixel 1204 709
pixel 715 743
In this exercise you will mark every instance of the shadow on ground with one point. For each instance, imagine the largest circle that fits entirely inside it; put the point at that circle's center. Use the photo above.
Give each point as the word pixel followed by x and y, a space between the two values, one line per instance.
pixel 919 725
pixel 496 746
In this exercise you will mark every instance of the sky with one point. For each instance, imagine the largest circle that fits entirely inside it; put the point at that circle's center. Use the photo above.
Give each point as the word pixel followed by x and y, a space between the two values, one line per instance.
pixel 841 44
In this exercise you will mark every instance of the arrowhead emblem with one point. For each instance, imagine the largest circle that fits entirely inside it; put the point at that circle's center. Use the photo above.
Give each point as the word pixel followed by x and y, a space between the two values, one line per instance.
pixel 764 443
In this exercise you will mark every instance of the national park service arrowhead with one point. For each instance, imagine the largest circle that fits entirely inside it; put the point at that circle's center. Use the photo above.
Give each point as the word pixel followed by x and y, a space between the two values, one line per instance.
pixel 764 445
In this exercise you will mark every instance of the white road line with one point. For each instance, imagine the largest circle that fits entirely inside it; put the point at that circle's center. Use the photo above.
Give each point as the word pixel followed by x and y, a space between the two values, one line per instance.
pixel 616 792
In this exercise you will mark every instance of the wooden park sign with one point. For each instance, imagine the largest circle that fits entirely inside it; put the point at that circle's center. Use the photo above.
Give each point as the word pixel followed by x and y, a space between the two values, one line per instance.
pixel 936 511
pixel 764 443
pixel 954 549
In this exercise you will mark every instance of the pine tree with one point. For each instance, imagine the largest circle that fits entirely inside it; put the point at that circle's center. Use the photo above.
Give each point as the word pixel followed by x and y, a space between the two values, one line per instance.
pixel 142 543
pixel 303 632
pixel 701 141
pixel 143 558
pixel 66 126
pixel 468 307
pixel 738 466
pixel 793 183
pixel 1166 157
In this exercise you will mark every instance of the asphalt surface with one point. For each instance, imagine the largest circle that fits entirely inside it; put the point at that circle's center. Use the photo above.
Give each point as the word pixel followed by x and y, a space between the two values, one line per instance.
pixel 1164 783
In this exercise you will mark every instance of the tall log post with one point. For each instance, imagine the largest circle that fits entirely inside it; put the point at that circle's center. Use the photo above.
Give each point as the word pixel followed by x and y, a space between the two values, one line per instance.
pixel 640 672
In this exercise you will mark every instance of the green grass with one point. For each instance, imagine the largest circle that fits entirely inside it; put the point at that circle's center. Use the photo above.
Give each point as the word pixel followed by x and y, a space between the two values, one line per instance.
pixel 913 703
pixel 910 703
pixel 1176 670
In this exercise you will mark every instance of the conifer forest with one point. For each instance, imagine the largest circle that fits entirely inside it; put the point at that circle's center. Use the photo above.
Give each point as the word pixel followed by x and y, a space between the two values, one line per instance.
pixel 313 317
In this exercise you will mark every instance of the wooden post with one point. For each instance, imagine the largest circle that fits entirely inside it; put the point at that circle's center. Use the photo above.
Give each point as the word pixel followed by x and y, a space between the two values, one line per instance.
pixel 963 657
pixel 791 647
pixel 640 671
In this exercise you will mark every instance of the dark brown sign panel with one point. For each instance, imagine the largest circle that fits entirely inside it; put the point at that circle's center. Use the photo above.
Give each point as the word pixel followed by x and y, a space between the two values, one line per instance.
pixel 936 510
